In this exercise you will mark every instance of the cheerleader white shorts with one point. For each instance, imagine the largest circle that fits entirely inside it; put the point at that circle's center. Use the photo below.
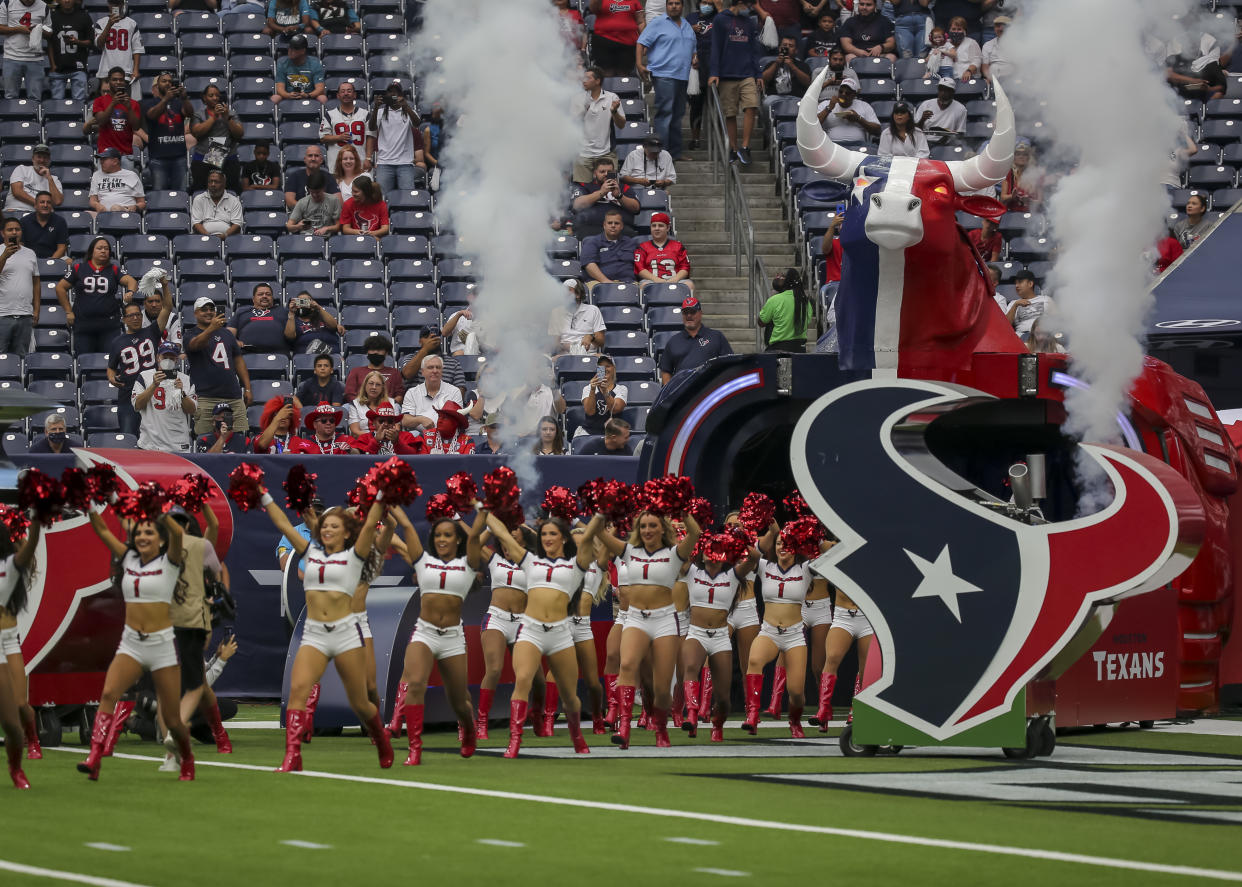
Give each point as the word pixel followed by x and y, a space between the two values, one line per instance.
pixel 713 640
pixel 333 638
pixel 152 651
pixel 444 643
pixel 546 637
pixel 745 614
pixel 784 638
pixel 852 621
pixel 496 619
pixel 580 628
pixel 683 623
pixel 817 612
pixel 622 618
pixel 661 623
pixel 364 622
pixel 10 642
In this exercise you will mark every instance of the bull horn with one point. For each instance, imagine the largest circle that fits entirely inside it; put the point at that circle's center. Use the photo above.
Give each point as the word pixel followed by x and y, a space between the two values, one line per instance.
pixel 992 165
pixel 818 151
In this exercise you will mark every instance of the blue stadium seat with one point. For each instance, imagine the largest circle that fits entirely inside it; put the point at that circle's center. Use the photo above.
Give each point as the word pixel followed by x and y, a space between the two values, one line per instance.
pixel 635 368
pixel 362 292
pixel 187 22
pixel 170 224
pixel 92 367
pixel 457 294
pixel 58 109
pixel 659 340
pixel 624 87
pixel 168 201
pixel 1212 176
pixel 652 199
pixel 70 155
pixel 615 294
pixel 57 390
pixel 307 269
pixel 383 23
pixel 622 317
pixel 74 199
pixel 409 200
pixel 642 393
pixel 299 132
pixel 252 87
pixel 21 131
pixel 301 111
pixel 263 200
pixel 411 292
pixel 202 269
pixel 51 358
pixel 455 269
pixel 200 246
pixel 160 43
pixel 1222 199
pixel 200 44
pixel 575 415
pixel 446 246
pixel 267 366
pixel 79 223
pixel 140 266
pixel 413 222
pixel 359 269
pixel 10 365
pixel 118 223
pixel 23 109
pixel 665 294
pixel 111 440
pixel 581 442
pixel 472 365
pixel 267 270
pixel 405 246
pixel 352 246
pixel 99 393
pixel 1030 249
pixel 152 63
pixel 249 246
pixel 565 269
pixel 63 131
pixel 241 26
pixel 367 317
pixel 563 246
pixel 576 367
pixel 1221 132
pixel 637 417
pixel 202 65
pixel 352 63
pixel 14 442
pixel 265 389
pixel 216 290
pixel 148 246
pixel 663 318
pixel 269 222
pixel 301 246
pixel 319 290
pixel 1022 225
pixel 879 90
pixel 355 43
pixel 413 317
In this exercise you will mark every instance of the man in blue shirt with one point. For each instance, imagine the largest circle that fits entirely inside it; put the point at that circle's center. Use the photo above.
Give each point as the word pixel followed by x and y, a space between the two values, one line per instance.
pixel 694 345
pixel 666 50
pixel 735 71
pixel 299 76
pixel 45 232
pixel 609 257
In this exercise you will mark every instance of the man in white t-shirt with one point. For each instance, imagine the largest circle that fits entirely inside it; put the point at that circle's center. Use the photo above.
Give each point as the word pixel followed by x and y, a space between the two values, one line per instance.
pixel 418 407
pixel 24 58
pixel 1029 306
pixel 995 62
pixel 600 111
pixel 114 188
pixel 848 120
pixel 27 181
pixel 394 146
pixel 579 326
pixel 345 124
pixel 119 44
pixel 19 290
pixel 943 117
pixel 165 402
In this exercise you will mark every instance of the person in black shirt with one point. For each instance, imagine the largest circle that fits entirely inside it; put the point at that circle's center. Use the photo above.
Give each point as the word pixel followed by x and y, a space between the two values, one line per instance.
pixel 132 352
pixel 222 438
pixel 615 442
pixel 167 116
pixel 261 174
pixel 593 199
pixel 260 327
pixel 323 387
pixel 100 289
pixel 216 367
pixel 45 232
pixel 821 41
pixel 786 75
pixel 55 438
pixel 69 44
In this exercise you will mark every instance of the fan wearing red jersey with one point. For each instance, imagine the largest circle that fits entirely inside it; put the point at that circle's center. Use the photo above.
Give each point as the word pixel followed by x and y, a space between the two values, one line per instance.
pixel 661 259
pixel 386 437
pixel 323 420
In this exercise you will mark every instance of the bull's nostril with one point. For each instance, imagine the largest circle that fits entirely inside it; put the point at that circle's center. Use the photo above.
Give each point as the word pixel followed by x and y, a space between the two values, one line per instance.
pixel 875 200
pixel 915 204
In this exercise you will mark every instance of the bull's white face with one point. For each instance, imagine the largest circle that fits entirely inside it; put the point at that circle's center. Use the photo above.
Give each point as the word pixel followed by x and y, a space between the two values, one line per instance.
pixel 894 218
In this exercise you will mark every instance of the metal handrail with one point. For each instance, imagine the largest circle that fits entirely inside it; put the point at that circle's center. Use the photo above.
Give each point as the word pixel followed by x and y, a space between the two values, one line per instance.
pixel 736 212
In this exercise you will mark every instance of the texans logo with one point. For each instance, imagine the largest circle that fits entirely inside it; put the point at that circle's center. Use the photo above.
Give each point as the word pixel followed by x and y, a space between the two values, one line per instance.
pixel 969 605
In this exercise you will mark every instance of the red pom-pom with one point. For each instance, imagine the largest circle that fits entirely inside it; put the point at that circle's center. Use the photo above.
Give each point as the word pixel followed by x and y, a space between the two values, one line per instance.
pixel 796 507
pixel 77 487
pixel 802 536
pixel 15 521
pixel 588 493
pixel 300 488
pixel 500 490
pixel 191 492
pixel 439 507
pixel 462 491
pixel 724 547
pixel 701 510
pixel 562 502
pixel 756 513
pixel 667 496
pixel 103 483
pixel 244 483
pixel 143 504
pixel 46 495
pixel 615 499
pixel 398 481
pixel 512 516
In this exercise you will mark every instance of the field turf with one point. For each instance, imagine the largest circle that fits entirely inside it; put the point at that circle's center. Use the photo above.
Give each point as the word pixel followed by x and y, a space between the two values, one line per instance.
pixel 1125 807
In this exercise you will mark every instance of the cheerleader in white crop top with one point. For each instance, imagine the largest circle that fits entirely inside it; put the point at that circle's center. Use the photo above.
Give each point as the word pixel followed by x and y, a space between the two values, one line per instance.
pixel 620 578
pixel 16 715
pixel 147 572
pixel 335 561
pixel 554 572
pixel 446 571
pixel 654 559
pixel 594 586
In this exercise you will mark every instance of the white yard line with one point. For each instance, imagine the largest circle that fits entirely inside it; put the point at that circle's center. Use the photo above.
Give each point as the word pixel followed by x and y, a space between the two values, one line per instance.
pixel 37 872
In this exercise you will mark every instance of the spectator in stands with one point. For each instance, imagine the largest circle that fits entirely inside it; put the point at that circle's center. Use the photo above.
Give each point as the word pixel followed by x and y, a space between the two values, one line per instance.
pixel 963 50
pixel 167 116
pixel 19 291
pixel 694 345
pixel 260 326
pixel 335 17
pixel 995 61
pixel 348 167
pixel 310 328
pixel 849 120
pixel 300 75
pixel 615 34
pixel 909 25
pixel 660 258
pixel 735 72
pixel 868 33
pixel 573 26
pixel 988 241
pixel 217 133
pixel 216 368
pixel 222 438
pixel 608 257
pixel 785 75
pixel 119 44
pixel 323 386
pixel 939 62
pixel 448 436
pixel 786 14
pixel 1195 224
pixel 164 400
pixel 600 111
pixel 372 394
pixel 825 37
pixel 21 25
pixel 99 288
pixel 55 437
pixel 115 117
pixel 591 201
pixel 394 145
pixel 492 444
pixel 970 10
pixel 133 352
pixel 152 308
pixel 830 248
pixel 837 72
pixel 434 135
pixel 68 48
pixel 615 442
pixel 216 211
pixel 602 397
pixel 429 340
pixel 1023 188
pixel 261 174
pixel 114 189
pixel 665 49
pixel 419 402
pixel 318 211
pixel 901 138
pixel 649 166
pixel 366 211
pixel 386 437
pixel 786 314
pixel 286 18
pixel 278 420
pixel 323 421
pixel 44 231
pixel 344 124
pixel 1029 304
pixel 943 118
pixel 297 182
pixel 580 329
pixel 29 179
pixel 701 21
pixel 549 440
pixel 378 348
pixel 1192 67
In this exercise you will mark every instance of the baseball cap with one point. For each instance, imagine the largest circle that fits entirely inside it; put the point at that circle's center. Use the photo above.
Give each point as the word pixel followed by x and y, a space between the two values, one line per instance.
pixel 1002 20
pixel 850 80
pixel 109 152
pixel 298 41
pixel 652 141
pixel 203 302
pixel 660 217
pixel 221 408
pixel 947 81
pixel 690 303
pixel 169 348
pixel 41 149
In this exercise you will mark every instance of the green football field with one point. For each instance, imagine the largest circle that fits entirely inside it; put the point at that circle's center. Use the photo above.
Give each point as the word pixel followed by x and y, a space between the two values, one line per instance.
pixel 1125 807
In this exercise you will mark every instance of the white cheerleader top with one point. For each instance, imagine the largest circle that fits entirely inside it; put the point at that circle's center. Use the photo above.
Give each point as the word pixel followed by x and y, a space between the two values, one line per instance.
pixel 662 567
pixel 560 573
pixel 341 571
pixel 506 574
pixel 623 571
pixel 436 576
pixel 9 577
pixel 712 593
pixel 591 579
pixel 784 587
pixel 154 582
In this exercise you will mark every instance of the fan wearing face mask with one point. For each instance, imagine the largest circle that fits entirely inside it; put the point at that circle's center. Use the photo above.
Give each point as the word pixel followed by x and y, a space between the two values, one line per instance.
pixel 165 401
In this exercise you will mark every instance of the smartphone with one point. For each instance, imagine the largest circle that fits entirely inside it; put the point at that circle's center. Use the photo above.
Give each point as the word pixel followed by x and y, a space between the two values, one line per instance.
pixel 840 209
pixel 599 372
pixel 288 400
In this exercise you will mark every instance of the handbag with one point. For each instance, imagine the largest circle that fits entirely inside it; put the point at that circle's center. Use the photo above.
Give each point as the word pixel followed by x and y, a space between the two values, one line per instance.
pixel 768 36
pixel 692 83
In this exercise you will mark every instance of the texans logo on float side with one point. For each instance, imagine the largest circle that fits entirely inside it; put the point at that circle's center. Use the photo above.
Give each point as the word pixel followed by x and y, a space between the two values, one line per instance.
pixel 968 605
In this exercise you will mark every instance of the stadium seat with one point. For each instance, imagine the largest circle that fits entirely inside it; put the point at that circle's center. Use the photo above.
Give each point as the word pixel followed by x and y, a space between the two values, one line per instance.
pixel 642 393
pixel 1022 225
pixel 171 224
pixel 658 341
pixel 626 342
pixel 267 270
pixel 576 367
pixel 265 389
pixel 263 200
pixel 665 294
pixel 362 292
pixel 202 269
pixel 140 266
pixel 14 443
pixel 307 269
pixel 411 292
pixel 202 65
pixel 189 22
pixel 635 368
pixel 472 365
pixel 92 367
pixel 74 199
pixel 24 109
pixel 622 317
pixel 267 366
pixel 352 246
pixel 358 269
pixel 405 246
pixel 615 294
pixel 383 23
pixel 301 111
pixel 446 246
pixel 301 246
pixel 69 155
pixel 880 90
pixel 624 86
pixel 457 294
pixel 51 358
pixel 216 290
pixel 637 417
pixel 455 269
pixel 563 246
pixel 409 200
pixel 99 393
pixel 366 317
pixel 250 87
pixel 240 26
pixel 10 365
pixel 1222 131
pixel 55 109
pixel 354 43
pixel 582 441
pixel 413 222
pixel 62 392
pixel 111 439
pixel 1212 176
pixel 63 131
pixel 1030 249
pixel 251 65
pixel 565 269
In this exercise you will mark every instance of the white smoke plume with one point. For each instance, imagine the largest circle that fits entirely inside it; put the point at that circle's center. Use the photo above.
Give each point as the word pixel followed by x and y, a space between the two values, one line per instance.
pixel 507 82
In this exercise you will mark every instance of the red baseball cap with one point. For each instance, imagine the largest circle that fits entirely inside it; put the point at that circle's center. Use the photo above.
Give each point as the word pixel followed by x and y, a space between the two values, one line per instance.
pixel 690 303
pixel 661 217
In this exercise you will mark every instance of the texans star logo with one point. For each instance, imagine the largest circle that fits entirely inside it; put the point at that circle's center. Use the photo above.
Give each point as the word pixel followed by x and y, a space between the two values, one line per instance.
pixel 968 604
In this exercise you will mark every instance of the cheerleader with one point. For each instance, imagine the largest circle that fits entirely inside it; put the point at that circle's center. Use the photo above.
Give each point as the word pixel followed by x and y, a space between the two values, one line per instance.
pixel 848 624
pixel 16 715
pixel 334 561
pixel 784 583
pixel 817 615
pixel 712 588
pixel 445 575
pixel 147 567
pixel 655 559
pixel 594 587
pixel 744 618
pixel 619 576
pixel 358 604
pixel 554 574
